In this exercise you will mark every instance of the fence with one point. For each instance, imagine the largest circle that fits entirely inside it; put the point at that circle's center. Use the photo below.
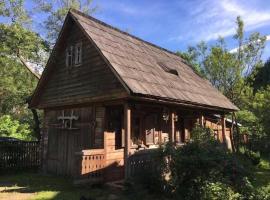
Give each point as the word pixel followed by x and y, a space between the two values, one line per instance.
pixel 141 161
pixel 19 155
pixel 90 165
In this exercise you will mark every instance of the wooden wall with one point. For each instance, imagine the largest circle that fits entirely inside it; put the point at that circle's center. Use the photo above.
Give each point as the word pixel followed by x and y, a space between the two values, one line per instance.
pixel 60 143
pixel 114 158
pixel 92 80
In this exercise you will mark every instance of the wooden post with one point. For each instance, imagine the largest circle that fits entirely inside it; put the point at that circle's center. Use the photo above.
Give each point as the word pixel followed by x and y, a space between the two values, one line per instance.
pixel 201 120
pixel 172 134
pixel 223 124
pixel 127 124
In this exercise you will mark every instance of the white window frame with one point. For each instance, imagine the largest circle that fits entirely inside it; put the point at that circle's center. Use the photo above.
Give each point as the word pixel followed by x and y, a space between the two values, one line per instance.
pixel 78 54
pixel 69 56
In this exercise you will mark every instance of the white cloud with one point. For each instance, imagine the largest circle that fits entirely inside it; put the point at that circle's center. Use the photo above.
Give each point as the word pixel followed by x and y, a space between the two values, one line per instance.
pixel 217 18
pixel 235 49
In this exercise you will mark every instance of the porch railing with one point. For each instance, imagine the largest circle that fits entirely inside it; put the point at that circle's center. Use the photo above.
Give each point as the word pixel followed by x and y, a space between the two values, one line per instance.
pixel 90 165
pixel 143 160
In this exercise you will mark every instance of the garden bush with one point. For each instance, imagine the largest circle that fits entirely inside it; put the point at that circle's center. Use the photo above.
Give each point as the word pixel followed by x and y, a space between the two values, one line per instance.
pixel 201 169
pixel 253 156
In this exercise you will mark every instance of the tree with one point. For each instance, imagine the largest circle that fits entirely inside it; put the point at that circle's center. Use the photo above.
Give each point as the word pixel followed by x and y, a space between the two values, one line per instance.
pixel 231 71
pixel 262 76
pixel 19 44
pixel 56 11
pixel 226 70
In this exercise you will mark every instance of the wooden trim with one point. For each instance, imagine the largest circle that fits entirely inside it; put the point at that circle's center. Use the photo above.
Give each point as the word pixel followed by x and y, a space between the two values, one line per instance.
pixel 127 125
pixel 175 102
pixel 85 101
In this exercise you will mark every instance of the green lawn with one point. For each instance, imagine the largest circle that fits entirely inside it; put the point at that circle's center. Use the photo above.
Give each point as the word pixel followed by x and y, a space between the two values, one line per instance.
pixel 35 186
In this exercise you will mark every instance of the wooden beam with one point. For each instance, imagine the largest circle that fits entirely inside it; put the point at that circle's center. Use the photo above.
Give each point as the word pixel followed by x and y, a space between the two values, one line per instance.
pixel 201 120
pixel 27 66
pixel 223 124
pixel 172 133
pixel 127 124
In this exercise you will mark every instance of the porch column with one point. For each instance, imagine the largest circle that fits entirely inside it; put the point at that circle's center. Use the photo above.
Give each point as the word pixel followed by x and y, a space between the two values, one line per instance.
pixel 127 124
pixel 201 120
pixel 223 125
pixel 172 134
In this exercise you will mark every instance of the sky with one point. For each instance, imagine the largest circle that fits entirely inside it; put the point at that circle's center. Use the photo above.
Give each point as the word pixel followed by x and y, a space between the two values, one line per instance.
pixel 177 24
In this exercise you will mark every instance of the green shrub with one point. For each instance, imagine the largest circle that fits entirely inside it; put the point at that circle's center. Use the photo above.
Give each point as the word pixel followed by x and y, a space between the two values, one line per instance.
pixel 202 169
pixel 13 128
pixel 253 156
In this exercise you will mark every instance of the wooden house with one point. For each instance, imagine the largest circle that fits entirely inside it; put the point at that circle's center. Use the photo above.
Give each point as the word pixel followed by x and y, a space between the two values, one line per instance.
pixel 107 95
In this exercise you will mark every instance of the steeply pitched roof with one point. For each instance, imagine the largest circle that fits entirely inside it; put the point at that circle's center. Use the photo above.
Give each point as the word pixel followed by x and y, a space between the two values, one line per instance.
pixel 148 70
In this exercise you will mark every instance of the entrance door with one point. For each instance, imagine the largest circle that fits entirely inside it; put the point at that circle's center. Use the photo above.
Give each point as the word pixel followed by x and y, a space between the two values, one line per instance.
pixel 64 139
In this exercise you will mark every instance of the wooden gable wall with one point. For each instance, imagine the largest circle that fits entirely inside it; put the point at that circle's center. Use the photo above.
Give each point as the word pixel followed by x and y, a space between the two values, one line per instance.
pixel 93 80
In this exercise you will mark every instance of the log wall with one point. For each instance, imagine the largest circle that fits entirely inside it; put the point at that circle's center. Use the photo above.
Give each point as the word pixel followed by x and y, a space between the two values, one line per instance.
pixel 90 81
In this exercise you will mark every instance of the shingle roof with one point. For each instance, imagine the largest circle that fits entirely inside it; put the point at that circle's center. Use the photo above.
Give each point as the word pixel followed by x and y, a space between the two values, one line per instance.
pixel 140 65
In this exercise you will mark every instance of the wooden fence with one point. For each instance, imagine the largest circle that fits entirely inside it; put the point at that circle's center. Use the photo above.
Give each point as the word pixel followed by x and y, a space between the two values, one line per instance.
pixel 90 166
pixel 141 161
pixel 19 155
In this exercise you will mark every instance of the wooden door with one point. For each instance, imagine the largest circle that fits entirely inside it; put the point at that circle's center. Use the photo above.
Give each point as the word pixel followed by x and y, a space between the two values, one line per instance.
pixel 65 141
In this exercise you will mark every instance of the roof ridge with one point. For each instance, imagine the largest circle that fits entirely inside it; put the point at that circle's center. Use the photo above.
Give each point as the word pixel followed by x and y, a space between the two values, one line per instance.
pixel 123 32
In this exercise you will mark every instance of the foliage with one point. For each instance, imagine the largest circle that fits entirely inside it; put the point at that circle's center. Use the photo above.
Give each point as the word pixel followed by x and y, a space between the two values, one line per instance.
pixel 18 41
pixel 56 12
pixel 225 69
pixel 253 156
pixel 202 169
pixel 262 76
pixel 239 74
pixel 201 134
pixel 13 128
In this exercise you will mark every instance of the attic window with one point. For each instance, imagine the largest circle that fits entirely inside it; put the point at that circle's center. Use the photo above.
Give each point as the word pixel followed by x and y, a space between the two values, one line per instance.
pixel 168 69
pixel 74 55
pixel 78 53
pixel 69 55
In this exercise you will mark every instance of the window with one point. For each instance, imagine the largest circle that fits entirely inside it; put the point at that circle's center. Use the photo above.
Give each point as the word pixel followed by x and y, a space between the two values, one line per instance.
pixel 78 53
pixel 69 55
pixel 74 55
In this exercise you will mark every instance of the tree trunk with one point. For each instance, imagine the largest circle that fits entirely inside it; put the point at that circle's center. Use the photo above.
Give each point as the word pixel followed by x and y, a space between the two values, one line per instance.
pixel 237 139
pixel 36 120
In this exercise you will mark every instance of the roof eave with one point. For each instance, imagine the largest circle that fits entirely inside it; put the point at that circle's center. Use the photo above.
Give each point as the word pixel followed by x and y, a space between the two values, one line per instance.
pixel 137 96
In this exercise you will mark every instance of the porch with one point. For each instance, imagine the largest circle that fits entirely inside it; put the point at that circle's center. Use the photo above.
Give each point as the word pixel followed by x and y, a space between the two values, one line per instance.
pixel 131 131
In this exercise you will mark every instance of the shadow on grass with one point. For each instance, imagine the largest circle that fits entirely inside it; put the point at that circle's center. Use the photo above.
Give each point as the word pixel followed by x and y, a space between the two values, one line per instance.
pixel 48 187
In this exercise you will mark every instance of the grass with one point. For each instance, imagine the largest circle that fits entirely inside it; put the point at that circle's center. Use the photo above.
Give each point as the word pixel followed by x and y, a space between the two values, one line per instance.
pixel 35 186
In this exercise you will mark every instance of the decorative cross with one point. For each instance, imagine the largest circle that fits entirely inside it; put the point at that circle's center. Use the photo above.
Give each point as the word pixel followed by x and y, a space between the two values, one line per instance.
pixel 67 120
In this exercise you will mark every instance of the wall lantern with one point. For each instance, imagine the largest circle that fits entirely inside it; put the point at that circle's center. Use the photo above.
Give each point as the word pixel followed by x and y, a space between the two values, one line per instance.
pixel 165 115
pixel 175 118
